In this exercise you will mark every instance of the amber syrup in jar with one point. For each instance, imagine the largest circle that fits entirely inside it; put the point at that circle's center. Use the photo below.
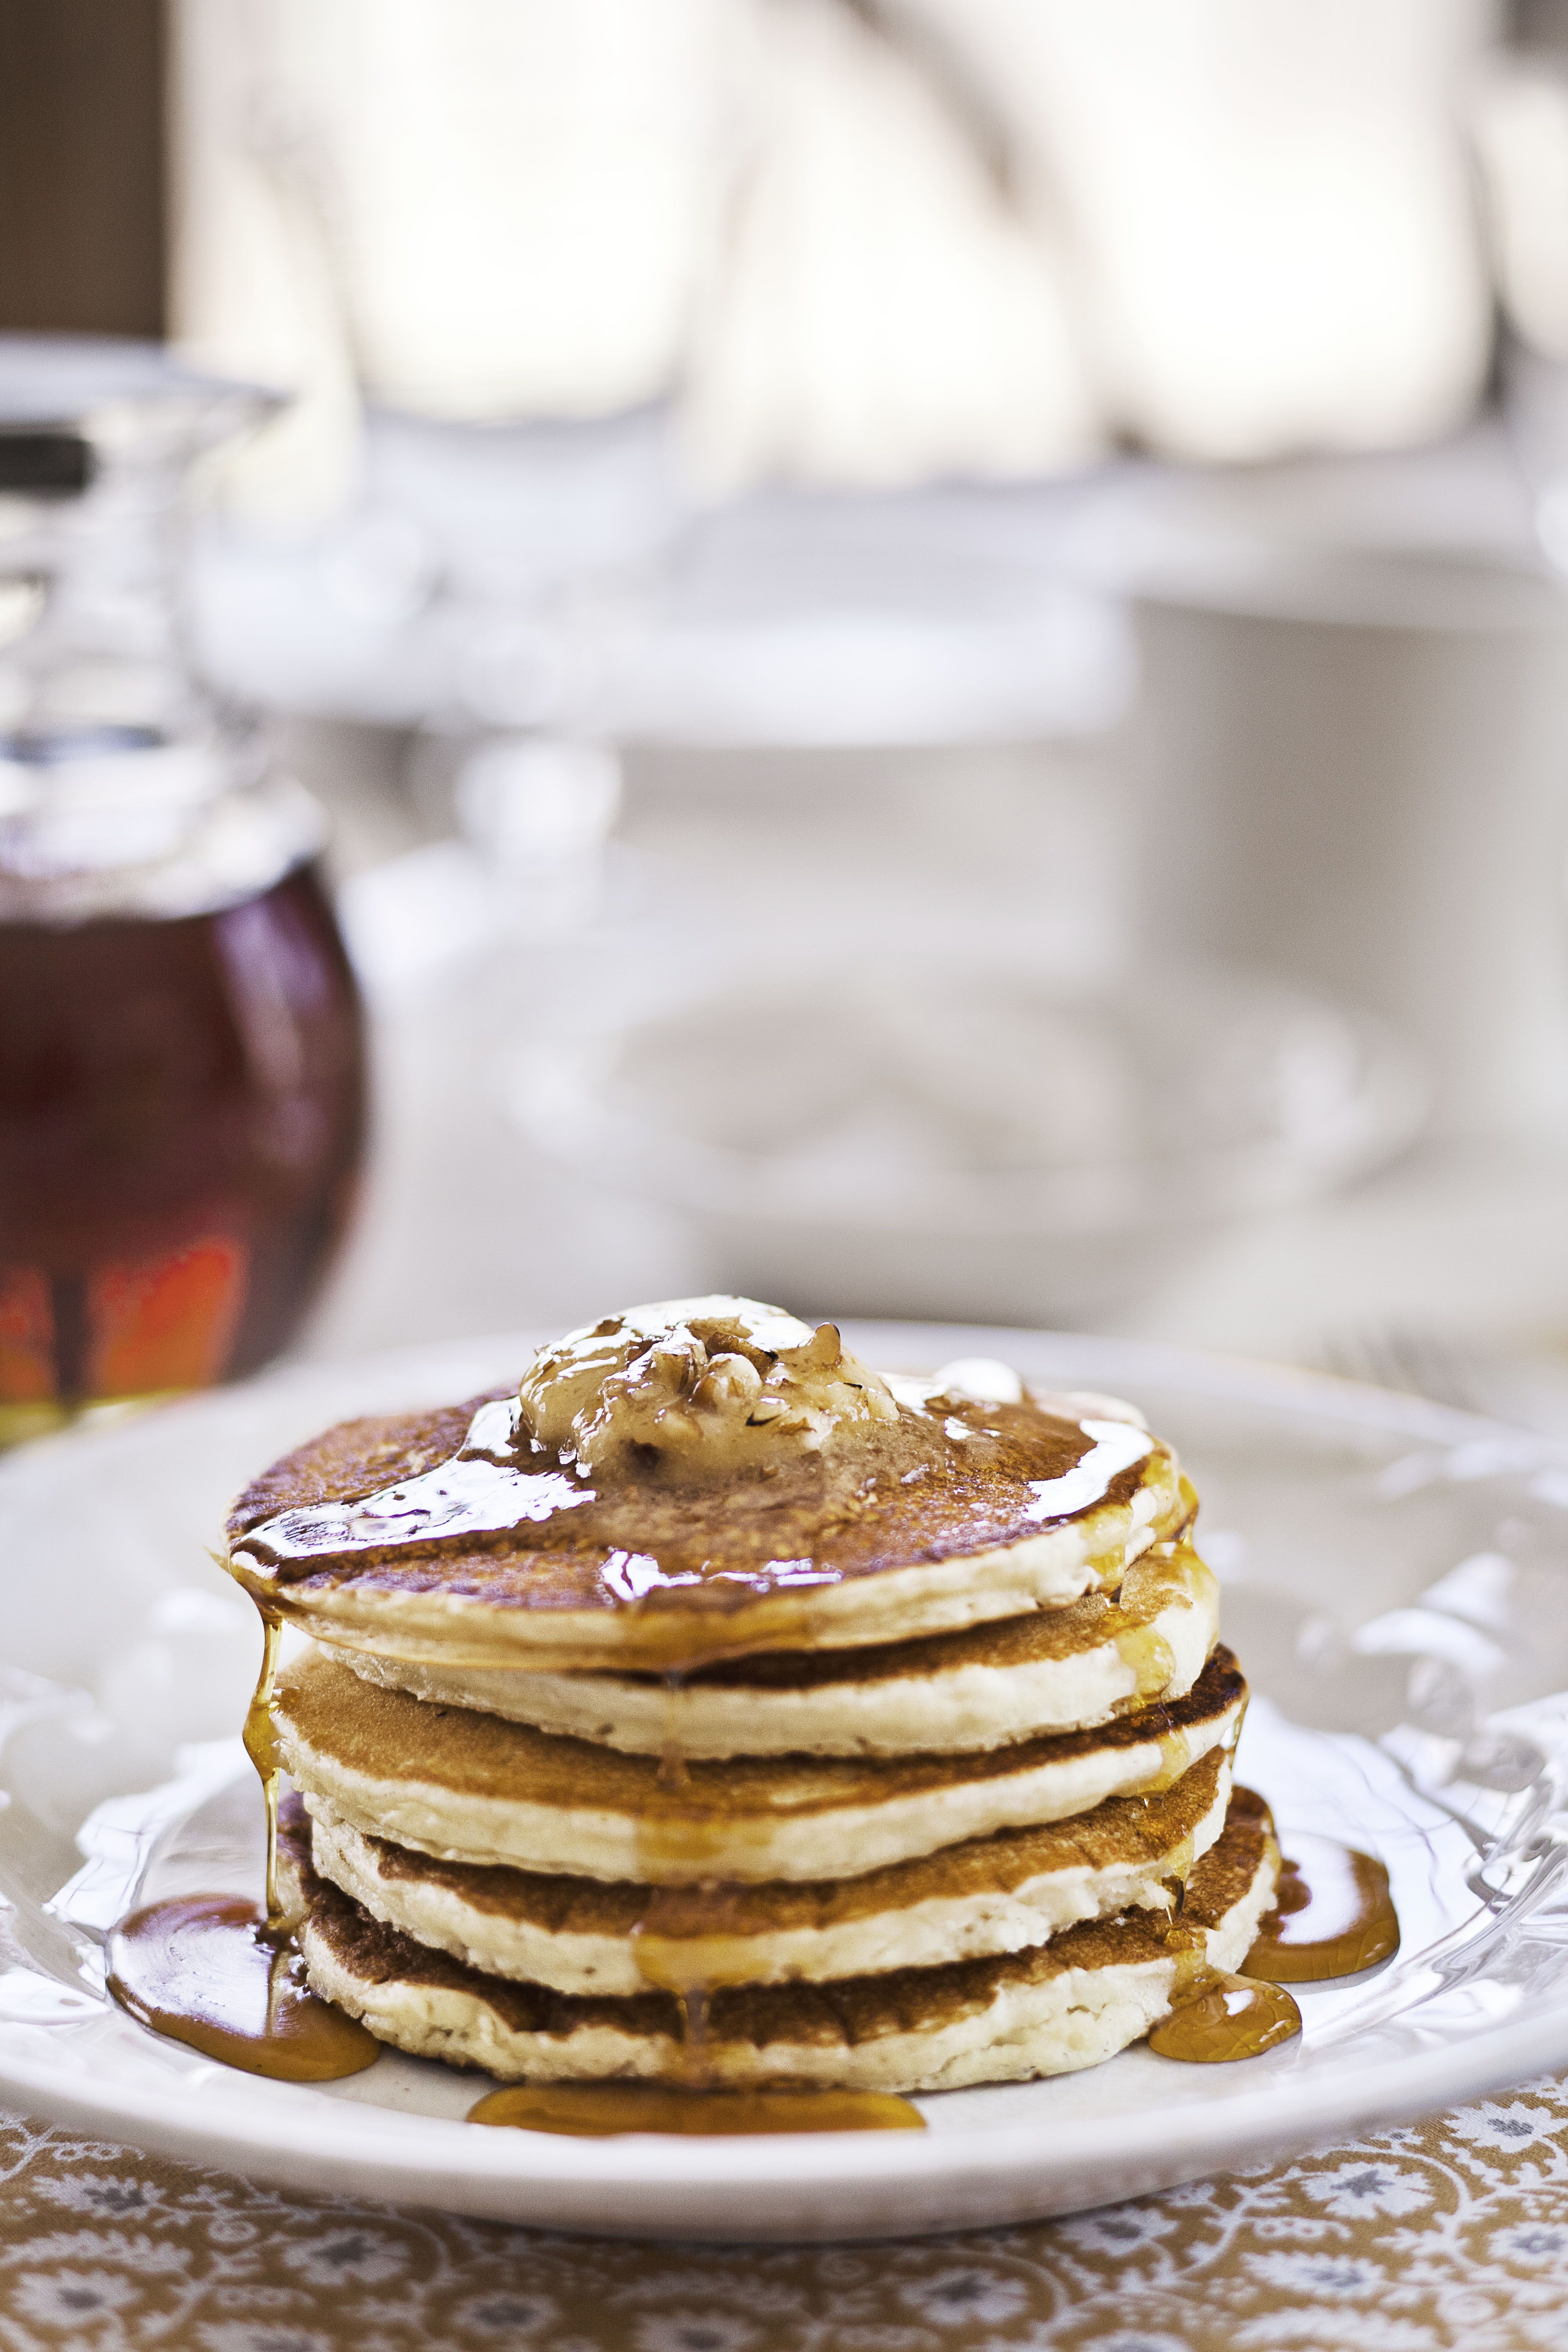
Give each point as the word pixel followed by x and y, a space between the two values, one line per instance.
pixel 181 1120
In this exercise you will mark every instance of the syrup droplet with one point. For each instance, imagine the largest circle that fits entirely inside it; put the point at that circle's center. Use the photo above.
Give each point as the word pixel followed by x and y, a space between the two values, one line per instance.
pixel 202 1970
pixel 693 1937
pixel 1231 2018
pixel 1150 1658
pixel 598 2110
pixel 1175 1755
pixel 683 1834
pixel 695 2064
pixel 1332 1917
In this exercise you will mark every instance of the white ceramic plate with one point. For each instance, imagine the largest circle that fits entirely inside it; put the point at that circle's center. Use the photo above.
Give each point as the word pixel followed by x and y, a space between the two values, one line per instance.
pixel 1396 1583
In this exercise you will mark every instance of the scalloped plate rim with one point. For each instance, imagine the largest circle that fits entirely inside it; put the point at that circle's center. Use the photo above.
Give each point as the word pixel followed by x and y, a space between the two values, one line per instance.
pixel 997 2173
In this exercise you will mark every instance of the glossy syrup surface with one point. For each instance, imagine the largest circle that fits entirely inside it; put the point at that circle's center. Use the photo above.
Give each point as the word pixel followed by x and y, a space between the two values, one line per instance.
pixel 1144 1650
pixel 957 1480
pixel 1335 1916
pixel 600 2110
pixel 1230 2016
pixel 1215 2017
pixel 204 1971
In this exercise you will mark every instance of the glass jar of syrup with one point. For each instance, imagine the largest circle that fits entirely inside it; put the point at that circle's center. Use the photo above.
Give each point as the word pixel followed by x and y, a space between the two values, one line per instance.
pixel 182 1046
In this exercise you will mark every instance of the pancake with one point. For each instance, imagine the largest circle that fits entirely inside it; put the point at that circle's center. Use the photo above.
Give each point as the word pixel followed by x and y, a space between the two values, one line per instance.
pixel 473 1788
pixel 1053 2007
pixel 1063 1669
pixel 463 1540
pixel 999 1893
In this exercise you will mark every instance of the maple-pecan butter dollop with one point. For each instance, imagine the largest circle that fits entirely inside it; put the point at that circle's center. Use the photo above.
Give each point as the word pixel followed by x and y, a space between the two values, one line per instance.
pixel 708 1385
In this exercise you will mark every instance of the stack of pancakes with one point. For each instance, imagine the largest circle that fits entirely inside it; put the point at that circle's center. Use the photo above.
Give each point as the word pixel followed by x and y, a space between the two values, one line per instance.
pixel 893 1755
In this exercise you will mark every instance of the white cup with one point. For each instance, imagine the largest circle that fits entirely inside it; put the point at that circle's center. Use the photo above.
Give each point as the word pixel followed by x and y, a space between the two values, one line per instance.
pixel 1353 769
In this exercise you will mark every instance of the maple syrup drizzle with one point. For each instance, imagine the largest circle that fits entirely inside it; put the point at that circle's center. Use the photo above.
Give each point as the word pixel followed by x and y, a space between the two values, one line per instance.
pixel 691 1937
pixel 223 1977
pixel 1333 1916
pixel 1175 1757
pixel 1179 1864
pixel 675 1835
pixel 1140 1643
pixel 260 1736
pixel 696 2063
pixel 688 1942
pixel 672 1771
pixel 599 2110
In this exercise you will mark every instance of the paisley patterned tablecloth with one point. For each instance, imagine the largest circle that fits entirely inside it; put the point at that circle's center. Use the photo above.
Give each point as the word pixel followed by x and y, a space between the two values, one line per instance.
pixel 1451 2233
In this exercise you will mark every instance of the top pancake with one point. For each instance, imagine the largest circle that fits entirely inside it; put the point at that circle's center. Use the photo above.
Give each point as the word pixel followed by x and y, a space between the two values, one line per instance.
pixel 445 1538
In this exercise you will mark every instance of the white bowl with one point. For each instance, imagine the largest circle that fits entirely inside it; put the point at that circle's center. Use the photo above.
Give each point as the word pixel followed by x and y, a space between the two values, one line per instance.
pixel 893 1136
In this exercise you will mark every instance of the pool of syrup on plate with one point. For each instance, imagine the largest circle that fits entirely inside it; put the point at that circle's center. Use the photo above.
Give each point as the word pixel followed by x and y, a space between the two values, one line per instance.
pixel 1333 1915
pixel 224 1977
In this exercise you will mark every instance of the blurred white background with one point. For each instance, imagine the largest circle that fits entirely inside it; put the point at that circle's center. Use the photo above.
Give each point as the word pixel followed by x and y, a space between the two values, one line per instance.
pixel 934 636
